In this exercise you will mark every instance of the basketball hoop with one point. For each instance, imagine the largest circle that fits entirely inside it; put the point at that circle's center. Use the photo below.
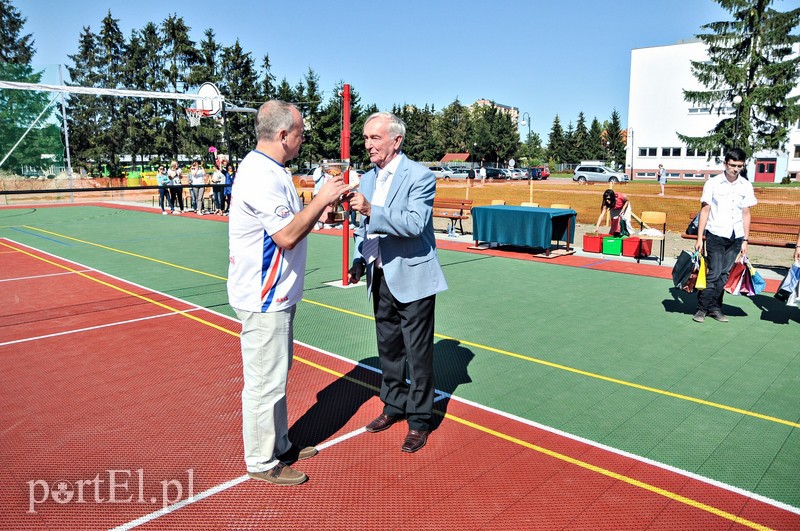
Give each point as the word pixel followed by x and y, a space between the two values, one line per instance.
pixel 194 116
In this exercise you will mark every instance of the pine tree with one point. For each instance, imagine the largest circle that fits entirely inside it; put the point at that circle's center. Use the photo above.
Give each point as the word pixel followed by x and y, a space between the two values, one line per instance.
pixel 556 145
pixel 180 55
pixel 615 139
pixel 112 51
pixel 750 57
pixel 268 83
pixel 19 108
pixel 84 110
pixel 595 147
pixel 580 139
pixel 570 155
pixel 239 85
pixel 15 48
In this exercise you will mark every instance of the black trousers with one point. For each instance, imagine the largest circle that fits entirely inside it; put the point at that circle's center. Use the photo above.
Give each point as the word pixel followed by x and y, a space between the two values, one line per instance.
pixel 405 348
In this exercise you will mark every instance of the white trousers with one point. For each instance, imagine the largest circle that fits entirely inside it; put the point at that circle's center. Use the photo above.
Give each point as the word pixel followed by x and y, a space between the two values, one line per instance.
pixel 267 347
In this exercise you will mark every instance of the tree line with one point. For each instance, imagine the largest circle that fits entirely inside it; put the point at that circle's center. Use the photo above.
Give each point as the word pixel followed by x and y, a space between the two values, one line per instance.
pixel 751 56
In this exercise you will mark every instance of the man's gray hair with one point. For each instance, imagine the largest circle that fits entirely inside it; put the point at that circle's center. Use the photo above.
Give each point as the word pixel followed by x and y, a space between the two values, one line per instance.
pixel 397 127
pixel 272 117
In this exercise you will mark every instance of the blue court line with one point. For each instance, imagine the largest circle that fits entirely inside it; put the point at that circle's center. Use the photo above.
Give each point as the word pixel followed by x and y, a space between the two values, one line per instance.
pixel 40 236
pixel 586 266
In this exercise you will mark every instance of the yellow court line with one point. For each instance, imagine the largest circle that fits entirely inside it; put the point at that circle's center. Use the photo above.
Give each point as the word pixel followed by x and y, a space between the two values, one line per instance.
pixel 558 366
pixel 588 374
pixel 128 253
pixel 123 290
pixel 514 440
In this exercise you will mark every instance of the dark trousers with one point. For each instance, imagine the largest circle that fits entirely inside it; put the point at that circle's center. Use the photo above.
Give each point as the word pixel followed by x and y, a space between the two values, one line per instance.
pixel 177 197
pixel 163 193
pixel 405 347
pixel 720 255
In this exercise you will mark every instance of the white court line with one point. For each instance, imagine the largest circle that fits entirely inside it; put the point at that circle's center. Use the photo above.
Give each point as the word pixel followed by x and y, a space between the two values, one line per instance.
pixel 549 429
pixel 219 488
pixel 98 327
pixel 43 276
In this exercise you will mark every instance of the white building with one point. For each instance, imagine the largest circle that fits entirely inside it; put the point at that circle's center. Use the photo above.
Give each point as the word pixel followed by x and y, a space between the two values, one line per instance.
pixel 657 111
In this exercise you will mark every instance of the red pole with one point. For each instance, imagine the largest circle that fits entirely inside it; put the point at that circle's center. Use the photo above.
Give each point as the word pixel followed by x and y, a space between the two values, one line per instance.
pixel 345 151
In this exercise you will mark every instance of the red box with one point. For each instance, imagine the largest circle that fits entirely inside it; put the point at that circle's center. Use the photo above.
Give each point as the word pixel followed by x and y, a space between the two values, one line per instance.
pixel 593 243
pixel 631 246
pixel 636 247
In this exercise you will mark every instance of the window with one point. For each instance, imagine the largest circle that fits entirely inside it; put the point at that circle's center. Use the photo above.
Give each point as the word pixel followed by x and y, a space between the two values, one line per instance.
pixel 671 152
pixel 697 152
pixel 647 152
pixel 797 152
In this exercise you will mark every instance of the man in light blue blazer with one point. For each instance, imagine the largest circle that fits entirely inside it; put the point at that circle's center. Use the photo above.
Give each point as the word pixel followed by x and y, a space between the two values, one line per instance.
pixel 396 248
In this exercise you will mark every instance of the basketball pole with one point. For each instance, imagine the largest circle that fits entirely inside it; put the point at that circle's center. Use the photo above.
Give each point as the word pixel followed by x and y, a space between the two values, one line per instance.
pixel 345 155
pixel 225 132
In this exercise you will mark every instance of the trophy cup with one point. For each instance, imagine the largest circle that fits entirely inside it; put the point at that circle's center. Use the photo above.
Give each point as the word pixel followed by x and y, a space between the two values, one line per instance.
pixel 334 168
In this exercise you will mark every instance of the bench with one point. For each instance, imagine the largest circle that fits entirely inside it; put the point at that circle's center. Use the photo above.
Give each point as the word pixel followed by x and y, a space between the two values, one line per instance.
pixel 770 232
pixel 455 210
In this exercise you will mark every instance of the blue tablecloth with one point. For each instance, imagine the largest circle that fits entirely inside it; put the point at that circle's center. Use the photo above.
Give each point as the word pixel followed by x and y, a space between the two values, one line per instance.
pixel 525 226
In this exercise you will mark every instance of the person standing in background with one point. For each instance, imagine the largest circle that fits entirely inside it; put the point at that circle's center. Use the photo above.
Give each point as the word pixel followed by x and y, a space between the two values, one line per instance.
pixel 724 227
pixel 197 181
pixel 163 180
pixel 662 178
pixel 230 176
pixel 176 190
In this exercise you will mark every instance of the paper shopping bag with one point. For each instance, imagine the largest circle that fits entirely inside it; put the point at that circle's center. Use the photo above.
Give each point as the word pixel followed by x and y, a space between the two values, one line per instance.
pixel 701 274
pixel 734 282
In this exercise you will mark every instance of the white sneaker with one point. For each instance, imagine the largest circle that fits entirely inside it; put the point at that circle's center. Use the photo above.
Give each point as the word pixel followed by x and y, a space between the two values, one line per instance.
pixel 176 212
pixel 201 213
pixel 163 212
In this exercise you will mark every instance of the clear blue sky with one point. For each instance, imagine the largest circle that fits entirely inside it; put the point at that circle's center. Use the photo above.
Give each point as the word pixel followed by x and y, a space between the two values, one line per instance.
pixel 546 58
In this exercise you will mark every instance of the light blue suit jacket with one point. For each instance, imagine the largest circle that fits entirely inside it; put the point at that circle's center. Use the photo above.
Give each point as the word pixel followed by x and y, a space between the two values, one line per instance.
pixel 405 225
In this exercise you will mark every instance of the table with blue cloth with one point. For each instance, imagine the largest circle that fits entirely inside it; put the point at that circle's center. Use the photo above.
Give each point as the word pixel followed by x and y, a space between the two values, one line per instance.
pixel 523 226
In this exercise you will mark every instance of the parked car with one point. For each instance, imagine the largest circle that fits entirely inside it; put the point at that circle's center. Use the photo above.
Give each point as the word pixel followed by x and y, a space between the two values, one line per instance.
pixel 441 172
pixel 460 173
pixel 494 173
pixel 545 171
pixel 517 174
pixel 598 174
pixel 535 173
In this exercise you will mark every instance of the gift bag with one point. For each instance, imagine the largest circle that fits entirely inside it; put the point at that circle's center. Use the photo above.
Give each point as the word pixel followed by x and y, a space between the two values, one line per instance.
pixel 689 285
pixel 701 275
pixel 758 281
pixel 789 284
pixel 682 269
pixel 734 283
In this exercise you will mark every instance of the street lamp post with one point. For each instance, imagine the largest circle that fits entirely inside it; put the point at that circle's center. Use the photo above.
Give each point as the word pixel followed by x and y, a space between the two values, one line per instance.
pixel 633 153
pixel 737 100
pixel 527 121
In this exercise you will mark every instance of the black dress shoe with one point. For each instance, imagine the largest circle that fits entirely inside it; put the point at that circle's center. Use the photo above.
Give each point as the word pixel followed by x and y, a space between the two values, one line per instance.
pixel 415 440
pixel 382 422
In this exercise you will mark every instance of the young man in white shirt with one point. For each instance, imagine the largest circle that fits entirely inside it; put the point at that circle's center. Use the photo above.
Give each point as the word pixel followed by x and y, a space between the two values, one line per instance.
pixel 267 237
pixel 725 223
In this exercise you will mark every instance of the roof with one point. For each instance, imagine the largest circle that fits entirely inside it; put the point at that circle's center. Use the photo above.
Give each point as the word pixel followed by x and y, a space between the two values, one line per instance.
pixel 455 157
